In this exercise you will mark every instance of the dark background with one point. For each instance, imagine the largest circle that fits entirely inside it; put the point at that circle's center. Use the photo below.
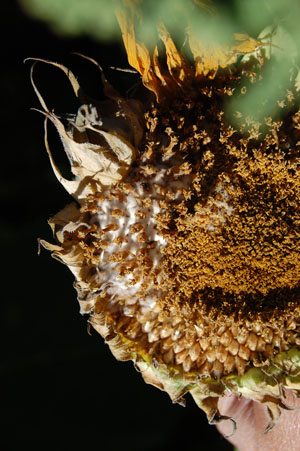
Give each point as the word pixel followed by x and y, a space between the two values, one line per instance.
pixel 61 386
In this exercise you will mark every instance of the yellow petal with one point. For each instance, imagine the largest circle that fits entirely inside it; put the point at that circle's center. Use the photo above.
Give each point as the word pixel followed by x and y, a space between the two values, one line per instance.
pixel 177 64
pixel 207 58
pixel 137 53
pixel 245 44
pixel 210 57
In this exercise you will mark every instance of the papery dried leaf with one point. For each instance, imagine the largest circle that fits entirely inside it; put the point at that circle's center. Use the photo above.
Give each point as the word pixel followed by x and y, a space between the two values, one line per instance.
pixel 98 158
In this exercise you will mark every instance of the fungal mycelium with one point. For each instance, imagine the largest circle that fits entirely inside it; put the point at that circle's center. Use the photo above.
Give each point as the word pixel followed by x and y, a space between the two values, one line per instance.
pixel 184 234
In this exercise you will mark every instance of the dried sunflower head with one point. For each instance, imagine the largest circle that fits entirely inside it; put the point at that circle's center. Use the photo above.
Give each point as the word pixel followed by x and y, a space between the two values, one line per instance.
pixel 184 237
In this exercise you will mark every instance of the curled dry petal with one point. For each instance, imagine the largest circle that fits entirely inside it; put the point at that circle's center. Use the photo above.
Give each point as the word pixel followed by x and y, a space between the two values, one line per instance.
pixel 99 155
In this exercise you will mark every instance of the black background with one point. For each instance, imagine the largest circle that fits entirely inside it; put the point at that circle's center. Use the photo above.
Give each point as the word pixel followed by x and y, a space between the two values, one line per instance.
pixel 61 386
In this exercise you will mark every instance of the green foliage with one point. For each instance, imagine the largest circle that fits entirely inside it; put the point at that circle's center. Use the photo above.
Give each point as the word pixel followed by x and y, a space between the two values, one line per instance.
pixel 76 17
pixel 96 17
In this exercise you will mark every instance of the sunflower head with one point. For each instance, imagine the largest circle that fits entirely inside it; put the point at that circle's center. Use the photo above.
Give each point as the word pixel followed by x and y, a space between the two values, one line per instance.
pixel 184 240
